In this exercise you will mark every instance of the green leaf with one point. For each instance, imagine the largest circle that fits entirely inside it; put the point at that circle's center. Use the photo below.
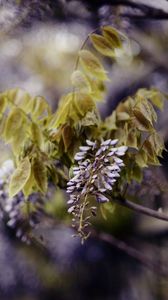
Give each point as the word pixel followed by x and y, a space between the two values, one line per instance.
pixel 92 65
pixel 40 174
pixel 112 36
pixel 20 177
pixel 102 45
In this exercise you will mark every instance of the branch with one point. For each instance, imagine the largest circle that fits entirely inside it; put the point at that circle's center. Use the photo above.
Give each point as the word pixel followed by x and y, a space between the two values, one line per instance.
pixel 133 253
pixel 142 209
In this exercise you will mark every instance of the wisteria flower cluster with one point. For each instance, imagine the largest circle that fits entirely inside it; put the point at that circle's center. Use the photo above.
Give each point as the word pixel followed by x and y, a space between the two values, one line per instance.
pixel 13 210
pixel 98 168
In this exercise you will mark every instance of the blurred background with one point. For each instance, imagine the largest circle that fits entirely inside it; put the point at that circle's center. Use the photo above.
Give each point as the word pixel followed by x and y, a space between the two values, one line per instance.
pixel 39 41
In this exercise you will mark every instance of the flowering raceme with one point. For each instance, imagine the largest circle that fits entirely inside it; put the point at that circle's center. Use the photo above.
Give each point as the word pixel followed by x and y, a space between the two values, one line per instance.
pixel 99 166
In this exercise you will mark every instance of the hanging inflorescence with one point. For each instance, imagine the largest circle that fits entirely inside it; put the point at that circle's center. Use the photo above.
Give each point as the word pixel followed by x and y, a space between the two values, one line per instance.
pixel 98 168
pixel 18 213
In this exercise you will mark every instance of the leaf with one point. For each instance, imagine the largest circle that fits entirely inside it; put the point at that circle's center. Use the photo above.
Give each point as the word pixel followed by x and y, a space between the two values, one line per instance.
pixel 13 123
pixel 3 103
pixel 20 177
pixel 123 116
pixel 110 122
pixel 146 109
pixel 140 121
pixel 91 119
pixel 132 139
pixel 19 139
pixel 40 107
pixel 80 81
pixel 97 89
pixel 150 151
pixel 102 45
pixel 157 99
pixel 67 135
pixel 28 187
pixel 92 65
pixel 154 95
pixel 83 103
pixel 157 143
pixel 40 174
pixel 141 159
pixel 137 173
pixel 112 36
pixel 36 134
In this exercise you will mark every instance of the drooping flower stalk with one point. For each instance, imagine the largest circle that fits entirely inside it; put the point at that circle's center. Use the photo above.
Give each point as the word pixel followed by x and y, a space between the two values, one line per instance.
pixel 98 168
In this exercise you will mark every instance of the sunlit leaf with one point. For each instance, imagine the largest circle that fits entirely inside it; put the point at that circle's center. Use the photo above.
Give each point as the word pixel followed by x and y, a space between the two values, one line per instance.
pixel 102 45
pixel 20 177
pixel 40 174
pixel 13 123
pixel 92 65
pixel 80 81
pixel 112 36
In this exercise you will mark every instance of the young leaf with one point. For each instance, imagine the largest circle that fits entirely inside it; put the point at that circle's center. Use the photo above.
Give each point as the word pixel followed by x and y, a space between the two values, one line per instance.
pixel 40 107
pixel 3 103
pixel 112 36
pixel 80 81
pixel 102 45
pixel 36 134
pixel 140 121
pixel 13 123
pixel 92 65
pixel 40 174
pixel 157 143
pixel 67 136
pixel 27 189
pixel 83 103
pixel 20 177
pixel 141 159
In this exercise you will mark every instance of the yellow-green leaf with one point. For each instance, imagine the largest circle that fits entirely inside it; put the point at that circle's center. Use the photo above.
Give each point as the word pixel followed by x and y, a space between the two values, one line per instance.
pixel 83 103
pixel 102 45
pixel 112 36
pixel 28 187
pixel 140 121
pixel 40 174
pixel 13 123
pixel 67 136
pixel 92 65
pixel 20 177
pixel 80 81
pixel 141 159
pixel 3 103
pixel 36 134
